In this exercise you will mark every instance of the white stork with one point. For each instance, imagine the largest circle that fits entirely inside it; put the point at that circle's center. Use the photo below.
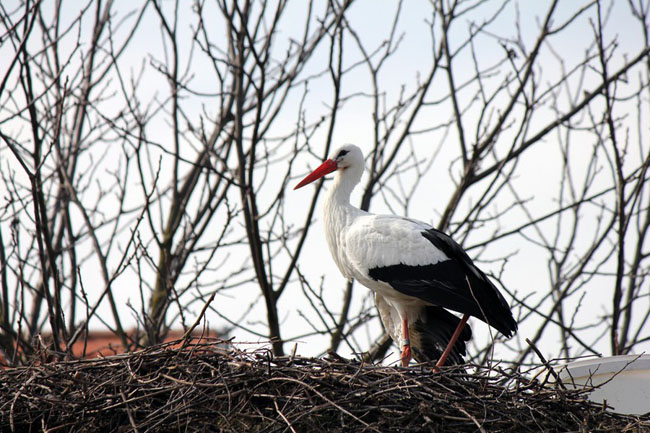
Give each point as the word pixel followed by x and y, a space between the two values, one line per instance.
pixel 414 270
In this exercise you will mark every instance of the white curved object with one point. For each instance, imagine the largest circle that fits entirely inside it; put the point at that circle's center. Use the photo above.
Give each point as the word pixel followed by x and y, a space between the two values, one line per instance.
pixel 622 381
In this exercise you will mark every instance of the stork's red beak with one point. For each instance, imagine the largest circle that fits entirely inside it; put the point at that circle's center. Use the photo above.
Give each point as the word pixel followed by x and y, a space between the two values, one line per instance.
pixel 323 169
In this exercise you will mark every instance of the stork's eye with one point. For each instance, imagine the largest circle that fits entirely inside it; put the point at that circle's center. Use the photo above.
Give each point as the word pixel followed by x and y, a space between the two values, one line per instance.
pixel 342 153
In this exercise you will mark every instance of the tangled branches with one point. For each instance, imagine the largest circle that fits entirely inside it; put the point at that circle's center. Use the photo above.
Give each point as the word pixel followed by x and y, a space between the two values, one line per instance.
pixel 204 387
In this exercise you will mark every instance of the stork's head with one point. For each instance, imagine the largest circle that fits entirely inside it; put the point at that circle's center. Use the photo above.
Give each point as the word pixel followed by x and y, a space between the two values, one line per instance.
pixel 348 156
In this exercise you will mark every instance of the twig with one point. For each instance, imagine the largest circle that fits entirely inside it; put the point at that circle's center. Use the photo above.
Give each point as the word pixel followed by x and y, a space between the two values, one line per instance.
pixel 546 364
pixel 128 412
pixel 275 403
pixel 188 333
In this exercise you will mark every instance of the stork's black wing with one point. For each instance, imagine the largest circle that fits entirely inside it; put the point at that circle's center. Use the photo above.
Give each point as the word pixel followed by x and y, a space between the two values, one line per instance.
pixel 455 283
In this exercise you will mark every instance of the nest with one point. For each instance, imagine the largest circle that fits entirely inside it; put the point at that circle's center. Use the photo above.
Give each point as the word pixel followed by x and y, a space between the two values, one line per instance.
pixel 204 387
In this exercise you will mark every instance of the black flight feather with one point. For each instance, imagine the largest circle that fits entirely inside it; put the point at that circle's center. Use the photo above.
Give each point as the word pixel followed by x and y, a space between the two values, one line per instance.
pixel 433 330
pixel 456 284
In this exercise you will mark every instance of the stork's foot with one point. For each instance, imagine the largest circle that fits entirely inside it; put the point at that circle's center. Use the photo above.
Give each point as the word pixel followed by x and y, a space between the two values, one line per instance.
pixel 406 355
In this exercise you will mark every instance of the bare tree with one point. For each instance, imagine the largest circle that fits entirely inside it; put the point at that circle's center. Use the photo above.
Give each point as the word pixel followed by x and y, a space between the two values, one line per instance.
pixel 147 151
pixel 495 123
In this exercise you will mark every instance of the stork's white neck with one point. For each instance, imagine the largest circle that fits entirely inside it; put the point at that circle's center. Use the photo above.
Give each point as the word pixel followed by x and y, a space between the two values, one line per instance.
pixel 345 180
pixel 339 214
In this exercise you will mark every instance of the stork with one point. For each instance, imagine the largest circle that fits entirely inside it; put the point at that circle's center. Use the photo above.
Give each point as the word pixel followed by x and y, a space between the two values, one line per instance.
pixel 415 271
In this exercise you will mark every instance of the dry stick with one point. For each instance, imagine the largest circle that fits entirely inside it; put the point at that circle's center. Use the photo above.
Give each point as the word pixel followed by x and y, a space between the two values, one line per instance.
pixel 315 391
pixel 188 333
pixel 454 337
pixel 469 415
pixel 128 412
pixel 15 399
pixel 277 408
pixel 546 363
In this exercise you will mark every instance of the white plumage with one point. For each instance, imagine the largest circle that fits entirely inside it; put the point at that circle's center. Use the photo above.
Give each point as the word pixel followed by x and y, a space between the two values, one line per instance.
pixel 414 270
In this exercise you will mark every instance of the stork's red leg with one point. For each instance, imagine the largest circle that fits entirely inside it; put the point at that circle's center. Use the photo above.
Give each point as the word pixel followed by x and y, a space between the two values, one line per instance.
pixel 406 343
pixel 452 341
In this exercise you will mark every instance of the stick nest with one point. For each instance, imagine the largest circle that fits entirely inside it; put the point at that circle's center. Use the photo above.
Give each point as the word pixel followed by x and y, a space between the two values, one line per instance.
pixel 204 387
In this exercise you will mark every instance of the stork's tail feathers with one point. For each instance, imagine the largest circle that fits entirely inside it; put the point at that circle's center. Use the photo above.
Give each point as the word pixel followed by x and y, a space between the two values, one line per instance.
pixel 431 333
